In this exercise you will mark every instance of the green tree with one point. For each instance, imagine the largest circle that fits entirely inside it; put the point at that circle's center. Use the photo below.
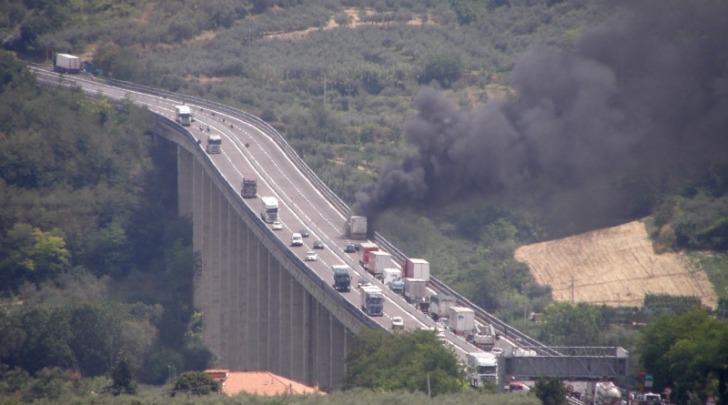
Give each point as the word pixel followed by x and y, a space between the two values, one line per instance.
pixel 443 68
pixel 38 338
pixel 97 336
pixel 550 391
pixel 195 383
pixel 688 352
pixel 572 325
pixel 122 377
pixel 404 361
pixel 29 254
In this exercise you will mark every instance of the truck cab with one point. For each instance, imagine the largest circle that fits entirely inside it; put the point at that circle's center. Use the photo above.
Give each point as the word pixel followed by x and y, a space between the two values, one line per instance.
pixel 342 278
pixel 249 188
pixel 483 368
pixel 372 301
pixel 269 209
pixel 214 144
pixel 183 115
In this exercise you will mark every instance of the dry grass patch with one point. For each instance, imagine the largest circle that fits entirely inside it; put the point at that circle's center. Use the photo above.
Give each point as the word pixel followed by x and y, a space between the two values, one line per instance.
pixel 614 266
pixel 355 22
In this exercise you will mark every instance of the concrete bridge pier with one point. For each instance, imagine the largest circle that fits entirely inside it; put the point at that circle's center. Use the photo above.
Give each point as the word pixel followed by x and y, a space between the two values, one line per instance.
pixel 259 311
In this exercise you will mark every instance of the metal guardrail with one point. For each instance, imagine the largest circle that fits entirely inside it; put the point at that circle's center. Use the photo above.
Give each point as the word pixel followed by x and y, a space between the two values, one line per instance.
pixel 340 205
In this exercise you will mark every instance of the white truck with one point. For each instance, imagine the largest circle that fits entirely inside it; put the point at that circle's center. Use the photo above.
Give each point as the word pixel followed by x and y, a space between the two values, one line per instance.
pixel 269 209
pixel 606 393
pixel 372 301
pixel 356 227
pixel 391 274
pixel 65 63
pixel 483 368
pixel 461 320
pixel 214 144
pixel 377 262
pixel 183 115
pixel 417 268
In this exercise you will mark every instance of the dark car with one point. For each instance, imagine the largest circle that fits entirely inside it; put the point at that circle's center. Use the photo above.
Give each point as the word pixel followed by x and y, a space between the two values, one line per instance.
pixel 363 283
pixel 350 248
pixel 317 244
pixel 304 233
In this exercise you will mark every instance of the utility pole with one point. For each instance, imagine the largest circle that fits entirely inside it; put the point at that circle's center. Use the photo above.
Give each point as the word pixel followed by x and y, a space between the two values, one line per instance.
pixel 324 90
pixel 572 288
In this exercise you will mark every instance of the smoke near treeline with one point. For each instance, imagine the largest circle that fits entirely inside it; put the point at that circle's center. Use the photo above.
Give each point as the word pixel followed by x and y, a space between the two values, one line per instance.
pixel 590 132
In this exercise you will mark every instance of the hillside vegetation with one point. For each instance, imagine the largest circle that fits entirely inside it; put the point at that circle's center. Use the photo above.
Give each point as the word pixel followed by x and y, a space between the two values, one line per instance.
pixel 342 81
pixel 464 129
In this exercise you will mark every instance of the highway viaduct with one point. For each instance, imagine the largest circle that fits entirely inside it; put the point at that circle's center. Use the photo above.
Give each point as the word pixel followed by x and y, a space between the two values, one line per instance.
pixel 263 307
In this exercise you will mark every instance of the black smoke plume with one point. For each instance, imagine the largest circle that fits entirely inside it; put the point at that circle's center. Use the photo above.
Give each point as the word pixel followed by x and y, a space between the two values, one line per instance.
pixel 589 131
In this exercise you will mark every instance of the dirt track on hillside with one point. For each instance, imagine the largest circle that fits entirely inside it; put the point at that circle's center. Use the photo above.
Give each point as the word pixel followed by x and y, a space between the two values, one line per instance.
pixel 614 266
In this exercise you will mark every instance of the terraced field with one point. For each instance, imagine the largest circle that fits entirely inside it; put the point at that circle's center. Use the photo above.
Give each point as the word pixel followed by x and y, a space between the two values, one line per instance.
pixel 614 266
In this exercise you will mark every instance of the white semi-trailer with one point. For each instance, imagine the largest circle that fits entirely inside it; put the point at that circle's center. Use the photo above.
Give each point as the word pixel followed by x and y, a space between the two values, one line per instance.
pixel 269 209
pixel 183 115
pixel 65 63
pixel 214 144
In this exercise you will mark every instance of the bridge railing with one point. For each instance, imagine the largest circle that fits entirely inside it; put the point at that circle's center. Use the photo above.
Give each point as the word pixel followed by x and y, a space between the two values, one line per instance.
pixel 343 208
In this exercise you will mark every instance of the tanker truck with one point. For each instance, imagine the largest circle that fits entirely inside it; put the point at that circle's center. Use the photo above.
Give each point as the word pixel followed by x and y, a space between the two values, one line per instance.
pixel 603 393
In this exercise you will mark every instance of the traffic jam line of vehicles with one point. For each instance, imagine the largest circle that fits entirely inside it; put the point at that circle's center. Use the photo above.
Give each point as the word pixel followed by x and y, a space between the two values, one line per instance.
pixel 372 301
pixel 410 281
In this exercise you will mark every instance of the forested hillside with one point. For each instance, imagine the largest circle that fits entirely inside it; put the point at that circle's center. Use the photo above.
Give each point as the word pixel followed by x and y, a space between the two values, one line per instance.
pixel 463 128
pixel 95 267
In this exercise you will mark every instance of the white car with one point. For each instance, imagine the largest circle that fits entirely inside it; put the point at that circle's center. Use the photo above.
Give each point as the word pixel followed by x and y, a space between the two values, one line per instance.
pixel 296 239
pixel 277 225
pixel 311 256
pixel 497 351
pixel 397 323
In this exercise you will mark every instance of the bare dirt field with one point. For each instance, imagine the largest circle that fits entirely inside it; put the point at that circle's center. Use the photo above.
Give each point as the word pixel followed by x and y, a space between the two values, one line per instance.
pixel 614 266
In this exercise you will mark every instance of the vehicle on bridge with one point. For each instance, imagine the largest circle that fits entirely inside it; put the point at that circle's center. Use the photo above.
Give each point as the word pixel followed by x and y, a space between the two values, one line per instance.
pixel 296 239
pixel 363 283
pixel 417 268
pixel 342 277
pixel 391 274
pixel 440 305
pixel 415 292
pixel 397 324
pixel 349 248
pixel 364 249
pixel 269 209
pixel 461 321
pixel 183 115
pixel 377 262
pixel 372 301
pixel 397 286
pixel 483 368
pixel 214 144
pixel 311 256
pixel 249 188
pixel 356 227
